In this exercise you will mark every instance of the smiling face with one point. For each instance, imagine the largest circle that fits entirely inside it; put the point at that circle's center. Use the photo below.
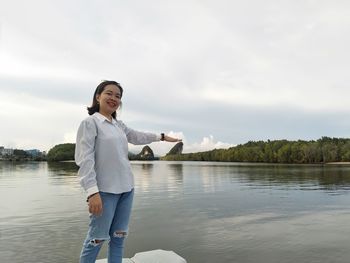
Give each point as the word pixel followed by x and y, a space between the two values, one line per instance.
pixel 109 100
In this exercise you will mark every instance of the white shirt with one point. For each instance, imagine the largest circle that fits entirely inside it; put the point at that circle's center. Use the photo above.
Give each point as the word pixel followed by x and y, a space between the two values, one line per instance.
pixel 101 152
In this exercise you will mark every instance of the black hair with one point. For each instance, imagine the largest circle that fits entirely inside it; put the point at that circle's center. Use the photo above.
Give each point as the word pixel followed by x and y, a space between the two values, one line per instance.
pixel 95 107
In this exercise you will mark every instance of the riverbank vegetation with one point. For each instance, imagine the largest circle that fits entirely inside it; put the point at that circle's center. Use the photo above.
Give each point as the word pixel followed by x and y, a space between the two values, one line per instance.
pixel 61 152
pixel 323 150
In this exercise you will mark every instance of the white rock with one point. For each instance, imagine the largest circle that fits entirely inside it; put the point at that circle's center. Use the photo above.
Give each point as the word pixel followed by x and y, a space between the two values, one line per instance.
pixel 157 256
pixel 153 256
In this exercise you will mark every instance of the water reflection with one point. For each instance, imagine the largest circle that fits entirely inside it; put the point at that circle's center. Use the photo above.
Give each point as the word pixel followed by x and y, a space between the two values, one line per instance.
pixel 8 168
pixel 176 172
pixel 62 168
pixel 303 177
pixel 159 178
pixel 143 172
pixel 206 212
pixel 147 168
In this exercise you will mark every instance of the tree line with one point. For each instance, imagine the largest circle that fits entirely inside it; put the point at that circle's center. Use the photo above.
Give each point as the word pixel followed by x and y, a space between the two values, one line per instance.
pixel 323 150
pixel 65 152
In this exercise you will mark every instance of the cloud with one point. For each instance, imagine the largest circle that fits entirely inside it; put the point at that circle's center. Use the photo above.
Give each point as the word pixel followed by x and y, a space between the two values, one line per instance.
pixel 236 70
pixel 70 137
pixel 29 122
pixel 207 144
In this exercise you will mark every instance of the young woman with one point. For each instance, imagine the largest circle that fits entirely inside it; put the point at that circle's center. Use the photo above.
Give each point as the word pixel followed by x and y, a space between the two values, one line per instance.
pixel 105 172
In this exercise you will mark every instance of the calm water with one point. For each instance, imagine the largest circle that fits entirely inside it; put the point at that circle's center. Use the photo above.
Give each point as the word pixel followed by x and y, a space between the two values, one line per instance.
pixel 205 212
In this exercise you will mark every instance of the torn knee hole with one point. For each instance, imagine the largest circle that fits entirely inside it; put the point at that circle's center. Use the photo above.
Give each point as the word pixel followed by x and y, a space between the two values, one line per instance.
pixel 120 234
pixel 96 242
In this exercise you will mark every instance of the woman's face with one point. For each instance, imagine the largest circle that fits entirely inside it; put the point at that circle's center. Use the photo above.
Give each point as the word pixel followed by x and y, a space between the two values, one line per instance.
pixel 109 99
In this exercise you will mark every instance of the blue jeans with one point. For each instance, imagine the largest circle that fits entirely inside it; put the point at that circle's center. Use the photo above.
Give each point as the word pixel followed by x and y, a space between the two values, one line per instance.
pixel 111 225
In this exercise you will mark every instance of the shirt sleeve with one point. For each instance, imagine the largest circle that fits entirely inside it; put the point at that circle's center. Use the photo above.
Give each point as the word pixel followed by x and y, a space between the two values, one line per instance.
pixel 85 155
pixel 137 137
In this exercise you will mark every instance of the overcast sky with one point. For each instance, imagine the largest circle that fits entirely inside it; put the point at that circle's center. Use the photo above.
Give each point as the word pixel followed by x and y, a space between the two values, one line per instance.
pixel 216 73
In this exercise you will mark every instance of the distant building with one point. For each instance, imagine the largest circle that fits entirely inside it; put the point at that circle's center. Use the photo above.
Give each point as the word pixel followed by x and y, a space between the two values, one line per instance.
pixel 4 151
pixel 33 152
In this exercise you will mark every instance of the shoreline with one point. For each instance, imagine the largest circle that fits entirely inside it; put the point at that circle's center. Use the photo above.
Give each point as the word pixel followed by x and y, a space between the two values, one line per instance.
pixel 72 161
pixel 338 163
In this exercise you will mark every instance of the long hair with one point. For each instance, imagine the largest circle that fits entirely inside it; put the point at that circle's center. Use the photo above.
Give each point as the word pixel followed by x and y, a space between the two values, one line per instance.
pixel 95 107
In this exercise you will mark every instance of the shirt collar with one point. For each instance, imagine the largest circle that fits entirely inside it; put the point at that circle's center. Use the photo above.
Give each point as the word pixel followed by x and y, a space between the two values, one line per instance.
pixel 103 118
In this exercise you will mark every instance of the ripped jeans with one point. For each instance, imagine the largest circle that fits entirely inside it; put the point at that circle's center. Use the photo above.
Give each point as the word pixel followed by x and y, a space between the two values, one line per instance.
pixel 111 226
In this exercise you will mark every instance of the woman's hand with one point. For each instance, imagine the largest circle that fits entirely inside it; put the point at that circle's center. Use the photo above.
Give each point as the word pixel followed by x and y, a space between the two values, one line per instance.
pixel 95 204
pixel 171 139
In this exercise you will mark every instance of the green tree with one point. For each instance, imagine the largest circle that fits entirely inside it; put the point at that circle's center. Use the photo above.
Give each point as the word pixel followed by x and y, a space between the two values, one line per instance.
pixel 329 152
pixel 284 154
pixel 61 152
pixel 325 149
pixel 345 152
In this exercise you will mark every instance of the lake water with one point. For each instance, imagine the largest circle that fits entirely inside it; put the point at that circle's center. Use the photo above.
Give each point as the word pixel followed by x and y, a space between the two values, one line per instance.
pixel 205 212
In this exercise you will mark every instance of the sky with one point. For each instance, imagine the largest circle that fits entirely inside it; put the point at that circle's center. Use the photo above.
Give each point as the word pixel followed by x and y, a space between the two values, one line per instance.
pixel 215 73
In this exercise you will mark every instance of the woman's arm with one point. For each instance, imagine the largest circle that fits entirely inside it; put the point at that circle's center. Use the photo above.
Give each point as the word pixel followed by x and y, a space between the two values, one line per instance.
pixel 85 155
pixel 171 139
pixel 85 159
pixel 139 138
